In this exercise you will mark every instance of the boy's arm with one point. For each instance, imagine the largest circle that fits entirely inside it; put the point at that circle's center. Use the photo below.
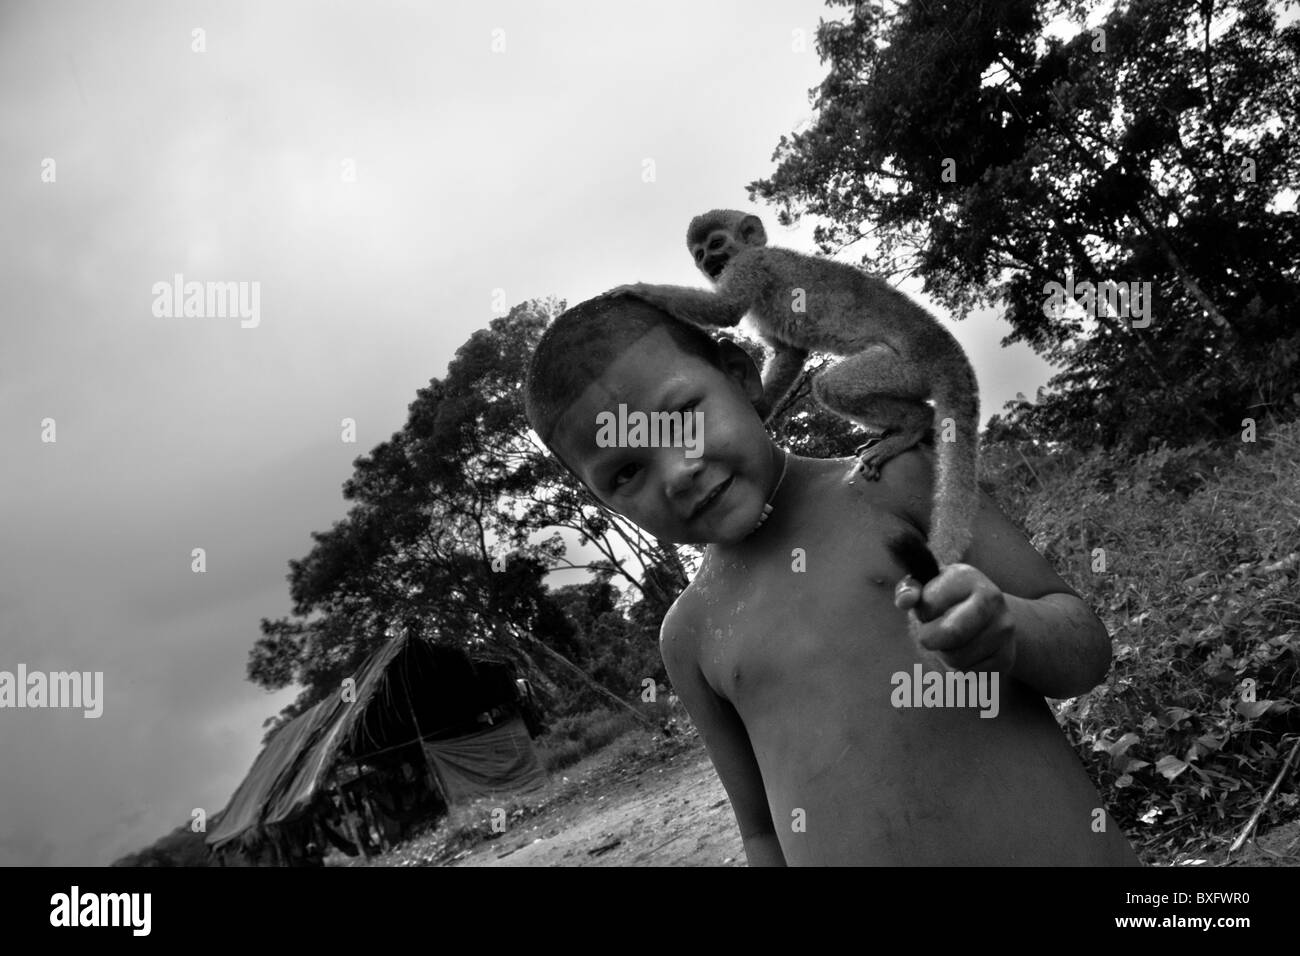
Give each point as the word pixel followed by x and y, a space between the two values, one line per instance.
pixel 1062 647
pixel 725 738
pixel 1008 595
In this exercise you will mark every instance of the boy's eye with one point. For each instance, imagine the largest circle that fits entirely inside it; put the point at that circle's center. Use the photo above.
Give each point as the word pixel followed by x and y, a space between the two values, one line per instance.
pixel 624 475
pixel 683 411
pixel 629 472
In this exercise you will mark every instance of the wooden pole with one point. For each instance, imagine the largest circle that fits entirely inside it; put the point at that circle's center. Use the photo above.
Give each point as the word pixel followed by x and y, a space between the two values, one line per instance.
pixel 598 688
pixel 419 737
pixel 351 820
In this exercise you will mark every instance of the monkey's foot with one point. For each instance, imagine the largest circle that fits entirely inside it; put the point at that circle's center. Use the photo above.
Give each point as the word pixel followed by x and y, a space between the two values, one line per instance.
pixel 873 454
pixel 868 464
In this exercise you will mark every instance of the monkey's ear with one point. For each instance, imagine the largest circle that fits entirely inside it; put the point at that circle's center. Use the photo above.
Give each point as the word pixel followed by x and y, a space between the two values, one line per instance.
pixel 751 231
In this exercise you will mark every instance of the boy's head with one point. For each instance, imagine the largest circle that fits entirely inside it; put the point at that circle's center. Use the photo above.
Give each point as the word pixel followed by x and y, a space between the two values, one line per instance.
pixel 614 362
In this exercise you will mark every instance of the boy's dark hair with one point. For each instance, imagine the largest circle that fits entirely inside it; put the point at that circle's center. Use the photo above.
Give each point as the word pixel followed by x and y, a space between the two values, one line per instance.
pixel 584 341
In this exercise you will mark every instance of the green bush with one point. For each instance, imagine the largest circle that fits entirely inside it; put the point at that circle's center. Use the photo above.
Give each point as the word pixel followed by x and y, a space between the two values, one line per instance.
pixel 1198 590
pixel 575 736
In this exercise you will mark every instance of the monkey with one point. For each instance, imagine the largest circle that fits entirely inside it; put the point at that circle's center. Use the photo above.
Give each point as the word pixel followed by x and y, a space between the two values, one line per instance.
pixel 894 355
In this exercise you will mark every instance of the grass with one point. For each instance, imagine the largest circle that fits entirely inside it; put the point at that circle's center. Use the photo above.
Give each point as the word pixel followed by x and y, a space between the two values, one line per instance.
pixel 574 737
pixel 1190 557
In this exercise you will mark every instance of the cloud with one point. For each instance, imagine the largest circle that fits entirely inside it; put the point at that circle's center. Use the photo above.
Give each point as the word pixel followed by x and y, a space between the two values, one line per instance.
pixel 25 849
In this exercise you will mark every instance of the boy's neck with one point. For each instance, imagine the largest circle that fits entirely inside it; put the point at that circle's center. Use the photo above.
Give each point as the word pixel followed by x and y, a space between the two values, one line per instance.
pixel 767 505
pixel 785 497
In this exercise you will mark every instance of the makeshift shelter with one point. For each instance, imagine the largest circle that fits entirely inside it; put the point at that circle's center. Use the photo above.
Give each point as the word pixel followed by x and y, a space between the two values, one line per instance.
pixel 421 726
pixel 243 815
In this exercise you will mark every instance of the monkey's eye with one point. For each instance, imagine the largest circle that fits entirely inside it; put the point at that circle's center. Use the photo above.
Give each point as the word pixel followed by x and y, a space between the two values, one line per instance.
pixel 715 244
pixel 699 254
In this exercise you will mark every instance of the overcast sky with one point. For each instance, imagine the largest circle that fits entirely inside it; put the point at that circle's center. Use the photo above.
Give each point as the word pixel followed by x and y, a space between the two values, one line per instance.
pixel 475 170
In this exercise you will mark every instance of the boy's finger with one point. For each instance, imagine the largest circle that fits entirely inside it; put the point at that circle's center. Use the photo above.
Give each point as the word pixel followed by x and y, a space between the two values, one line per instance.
pixel 961 625
pixel 975 656
pixel 955 584
pixel 911 595
pixel 907 594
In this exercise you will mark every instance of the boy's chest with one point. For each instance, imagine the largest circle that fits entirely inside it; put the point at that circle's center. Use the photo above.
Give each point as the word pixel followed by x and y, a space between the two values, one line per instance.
pixel 816 615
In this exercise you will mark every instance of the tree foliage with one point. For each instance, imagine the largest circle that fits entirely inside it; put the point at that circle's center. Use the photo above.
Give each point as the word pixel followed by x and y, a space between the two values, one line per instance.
pixel 451 533
pixel 1155 144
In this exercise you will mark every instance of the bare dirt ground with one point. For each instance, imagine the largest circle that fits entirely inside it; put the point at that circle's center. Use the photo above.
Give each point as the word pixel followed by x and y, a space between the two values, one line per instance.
pixel 676 814
pixel 647 801
pixel 642 801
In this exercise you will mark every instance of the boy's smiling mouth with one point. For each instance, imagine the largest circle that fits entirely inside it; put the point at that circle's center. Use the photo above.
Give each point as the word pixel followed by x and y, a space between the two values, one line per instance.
pixel 711 498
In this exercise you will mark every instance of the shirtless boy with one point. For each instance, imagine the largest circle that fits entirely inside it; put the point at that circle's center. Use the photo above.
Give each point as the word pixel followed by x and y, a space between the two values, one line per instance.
pixel 791 648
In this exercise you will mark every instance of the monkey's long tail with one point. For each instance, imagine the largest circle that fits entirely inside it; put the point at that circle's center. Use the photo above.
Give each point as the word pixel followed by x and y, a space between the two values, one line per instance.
pixel 956 490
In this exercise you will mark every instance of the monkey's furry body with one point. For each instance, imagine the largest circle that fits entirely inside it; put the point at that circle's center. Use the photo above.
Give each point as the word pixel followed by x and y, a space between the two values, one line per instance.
pixel 896 356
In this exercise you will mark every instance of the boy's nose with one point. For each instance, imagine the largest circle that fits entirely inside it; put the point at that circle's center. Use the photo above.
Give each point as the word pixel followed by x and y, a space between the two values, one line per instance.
pixel 683 473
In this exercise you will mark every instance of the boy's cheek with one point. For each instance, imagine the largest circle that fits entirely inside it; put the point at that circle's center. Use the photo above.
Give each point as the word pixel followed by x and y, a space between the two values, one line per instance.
pixel 628 509
pixel 656 523
pixel 660 523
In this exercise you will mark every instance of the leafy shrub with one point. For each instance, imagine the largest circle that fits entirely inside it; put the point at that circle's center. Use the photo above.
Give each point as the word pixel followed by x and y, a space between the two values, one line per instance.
pixel 574 736
pixel 1199 593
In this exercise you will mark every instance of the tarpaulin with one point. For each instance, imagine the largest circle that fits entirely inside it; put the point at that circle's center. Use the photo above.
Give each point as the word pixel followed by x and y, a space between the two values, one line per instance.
pixel 291 768
pixel 274 765
pixel 493 760
pixel 403 674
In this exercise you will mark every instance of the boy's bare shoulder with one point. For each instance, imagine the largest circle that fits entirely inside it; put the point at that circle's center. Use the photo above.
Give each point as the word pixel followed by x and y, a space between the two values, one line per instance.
pixel 686 621
pixel 907 482
pixel 998 546
pixel 680 627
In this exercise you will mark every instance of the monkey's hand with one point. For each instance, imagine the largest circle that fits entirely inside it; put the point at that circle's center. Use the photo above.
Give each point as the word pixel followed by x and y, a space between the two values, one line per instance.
pixel 636 290
pixel 964 619
pixel 647 292
pixel 697 306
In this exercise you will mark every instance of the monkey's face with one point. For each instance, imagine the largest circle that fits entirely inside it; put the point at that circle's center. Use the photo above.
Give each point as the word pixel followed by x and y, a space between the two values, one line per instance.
pixel 715 238
pixel 704 477
pixel 714 251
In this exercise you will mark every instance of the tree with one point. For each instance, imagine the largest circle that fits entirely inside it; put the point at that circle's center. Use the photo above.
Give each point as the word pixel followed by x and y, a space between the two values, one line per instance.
pixel 440 539
pixel 992 159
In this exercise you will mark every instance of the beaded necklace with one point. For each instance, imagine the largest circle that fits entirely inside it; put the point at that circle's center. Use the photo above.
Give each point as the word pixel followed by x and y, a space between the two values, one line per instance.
pixel 767 505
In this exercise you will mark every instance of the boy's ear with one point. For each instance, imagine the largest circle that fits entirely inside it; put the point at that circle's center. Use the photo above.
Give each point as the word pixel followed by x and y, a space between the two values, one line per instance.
pixel 737 364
